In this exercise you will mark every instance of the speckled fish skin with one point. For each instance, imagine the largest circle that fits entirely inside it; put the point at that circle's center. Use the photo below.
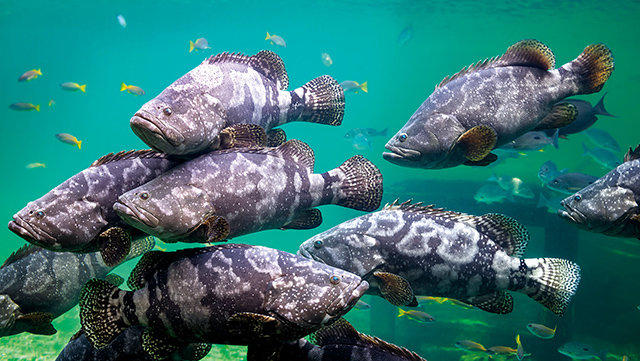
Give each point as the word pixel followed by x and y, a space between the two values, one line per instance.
pixel 609 205
pixel 252 189
pixel 228 89
pixel 38 280
pixel 126 347
pixel 71 216
pixel 196 295
pixel 502 93
pixel 445 254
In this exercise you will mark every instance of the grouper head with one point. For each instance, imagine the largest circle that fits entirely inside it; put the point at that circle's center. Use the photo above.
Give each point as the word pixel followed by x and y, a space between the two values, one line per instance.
pixel 181 122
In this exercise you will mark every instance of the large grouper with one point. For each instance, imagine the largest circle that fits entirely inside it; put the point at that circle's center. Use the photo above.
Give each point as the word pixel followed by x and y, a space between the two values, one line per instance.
pixel 226 92
pixel 493 102
pixel 228 193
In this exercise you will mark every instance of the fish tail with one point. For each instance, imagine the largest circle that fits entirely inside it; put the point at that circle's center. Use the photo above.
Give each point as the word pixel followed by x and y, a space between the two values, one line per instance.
pixel 79 143
pixel 361 187
pixel 364 87
pixel 191 45
pixel 599 108
pixel 585 150
pixel 323 101
pixel 552 282
pixel 83 88
pixel 593 68
pixel 123 87
pixel 100 313
pixel 542 202
pixel 37 108
pixel 401 312
pixel 268 36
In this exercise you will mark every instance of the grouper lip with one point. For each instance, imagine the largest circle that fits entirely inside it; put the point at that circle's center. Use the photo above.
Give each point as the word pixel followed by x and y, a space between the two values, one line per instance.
pixel 134 215
pixel 571 215
pixel 400 153
pixel 153 128
pixel 30 233
pixel 358 291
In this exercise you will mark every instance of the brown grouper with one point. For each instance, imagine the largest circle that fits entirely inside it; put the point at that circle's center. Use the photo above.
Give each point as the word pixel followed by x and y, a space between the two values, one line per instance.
pixel 494 102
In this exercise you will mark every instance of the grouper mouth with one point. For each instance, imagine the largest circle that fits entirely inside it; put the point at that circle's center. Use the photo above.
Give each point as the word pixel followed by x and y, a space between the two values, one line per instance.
pixel 399 153
pixel 134 215
pixel 153 131
pixel 30 233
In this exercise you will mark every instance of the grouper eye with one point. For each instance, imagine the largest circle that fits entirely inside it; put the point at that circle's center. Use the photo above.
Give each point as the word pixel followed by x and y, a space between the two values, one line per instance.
pixel 318 244
pixel 335 280
pixel 577 198
pixel 39 214
pixel 167 111
pixel 402 137
pixel 144 196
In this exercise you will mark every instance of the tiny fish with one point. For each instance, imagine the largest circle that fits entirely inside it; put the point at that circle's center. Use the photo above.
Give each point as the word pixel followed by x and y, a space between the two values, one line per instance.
pixel 362 138
pixel 51 103
pixel 133 89
pixel 492 193
pixel 625 358
pixel 350 86
pixel 276 39
pixel 405 35
pixel 551 202
pixel 470 346
pixel 24 106
pixel 582 351
pixel 35 165
pixel 602 139
pixel 74 87
pixel 30 75
pixel 531 141
pixel 122 21
pixel 69 139
pixel 362 306
pixel 520 349
pixel 602 156
pixel 541 331
pixel 570 183
pixel 200 44
pixel 514 185
pixel 326 59
pixel 548 171
pixel 416 315
pixel 587 116
pixel 502 350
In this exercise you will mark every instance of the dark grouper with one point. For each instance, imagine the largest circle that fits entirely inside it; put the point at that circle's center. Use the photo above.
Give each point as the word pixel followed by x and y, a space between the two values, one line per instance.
pixel 406 250
pixel 238 191
pixel 228 294
pixel 37 285
pixel 610 204
pixel 494 102
pixel 78 216
pixel 227 90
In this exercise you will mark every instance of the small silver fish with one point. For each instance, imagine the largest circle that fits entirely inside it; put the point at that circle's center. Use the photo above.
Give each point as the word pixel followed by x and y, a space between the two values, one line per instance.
pixel 405 35
pixel 531 141
pixel 582 351
pixel 541 331
pixel 570 183
pixel 122 21
pixel 326 59
pixel 548 171
pixel 276 39
pixel 602 156
pixel 361 138
pixel 350 86
pixel 602 139
pixel 200 44
pixel 492 193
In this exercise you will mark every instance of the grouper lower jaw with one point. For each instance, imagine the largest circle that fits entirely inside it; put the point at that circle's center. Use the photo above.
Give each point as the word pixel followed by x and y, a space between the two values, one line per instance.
pixel 341 305
pixel 154 132
pixel 31 234
pixel 135 215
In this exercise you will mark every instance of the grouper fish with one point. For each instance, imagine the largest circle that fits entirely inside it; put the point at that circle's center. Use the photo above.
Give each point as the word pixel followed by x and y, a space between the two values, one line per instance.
pixel 609 205
pixel 225 294
pixel 228 193
pixel 409 249
pixel 493 102
pixel 37 285
pixel 78 216
pixel 227 91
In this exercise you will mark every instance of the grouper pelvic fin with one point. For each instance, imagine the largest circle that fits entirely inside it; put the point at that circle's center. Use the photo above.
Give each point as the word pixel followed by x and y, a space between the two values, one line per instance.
pixel 396 289
pixel 243 136
pixel 22 252
pixel 216 228
pixel 159 345
pixel 276 137
pixel 115 244
pixel 477 142
pixel 250 324
pixel 560 115
pixel 490 158
pixel 505 231
pixel 266 62
pixel 38 323
pixel 308 219
pixel 632 154
pixel 130 154
pixel 499 302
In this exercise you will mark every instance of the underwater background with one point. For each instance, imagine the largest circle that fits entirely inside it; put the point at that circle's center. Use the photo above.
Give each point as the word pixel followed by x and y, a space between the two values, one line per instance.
pixel 83 42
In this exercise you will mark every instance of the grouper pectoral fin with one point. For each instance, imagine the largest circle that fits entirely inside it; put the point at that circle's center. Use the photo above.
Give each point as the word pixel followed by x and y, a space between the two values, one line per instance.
pixel 635 222
pixel 159 345
pixel 115 244
pixel 38 323
pixel 477 142
pixel 499 302
pixel 560 115
pixel 276 137
pixel 215 228
pixel 114 279
pixel 308 219
pixel 396 289
pixel 251 324
pixel 243 136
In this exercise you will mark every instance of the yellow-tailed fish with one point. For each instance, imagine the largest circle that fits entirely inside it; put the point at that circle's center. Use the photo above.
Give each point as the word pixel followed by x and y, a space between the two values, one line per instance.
pixel 24 106
pixel 429 299
pixel 30 75
pixel 35 165
pixel 470 346
pixel 133 89
pixel 200 44
pixel 625 358
pixel 52 102
pixel 276 39
pixel 416 315
pixel 362 306
pixel 326 59
pixel 158 248
pixel 70 86
pixel 520 349
pixel 501 350
pixel 350 86
pixel 459 303
pixel 541 331
pixel 69 139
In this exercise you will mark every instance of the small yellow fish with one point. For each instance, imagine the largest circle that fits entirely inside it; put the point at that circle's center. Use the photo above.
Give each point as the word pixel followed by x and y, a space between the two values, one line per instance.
pixel 326 59
pixel 69 139
pixel 52 102
pixel 501 350
pixel 625 358
pixel 133 89
pixel 73 86
pixel 429 299
pixel 416 315
pixel 24 106
pixel 200 44
pixel 35 165
pixel 520 349
pixel 30 75
pixel 541 330
pixel 158 248
pixel 470 346
pixel 350 86
pixel 276 39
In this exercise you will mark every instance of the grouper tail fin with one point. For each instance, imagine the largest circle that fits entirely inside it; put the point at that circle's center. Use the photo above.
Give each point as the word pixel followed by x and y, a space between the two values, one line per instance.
pixel 552 282
pixel 323 101
pixel 361 186
pixel 100 316
pixel 593 68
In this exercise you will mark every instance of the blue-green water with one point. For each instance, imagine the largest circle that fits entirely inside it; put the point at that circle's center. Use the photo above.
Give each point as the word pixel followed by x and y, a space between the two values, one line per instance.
pixel 81 41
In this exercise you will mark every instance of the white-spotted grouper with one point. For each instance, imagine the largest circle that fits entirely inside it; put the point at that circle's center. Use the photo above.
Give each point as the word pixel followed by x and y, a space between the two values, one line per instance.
pixel 409 249
pixel 228 193
pixel 78 216
pixel 228 93
pixel 495 101
pixel 37 285
pixel 226 294
pixel 609 205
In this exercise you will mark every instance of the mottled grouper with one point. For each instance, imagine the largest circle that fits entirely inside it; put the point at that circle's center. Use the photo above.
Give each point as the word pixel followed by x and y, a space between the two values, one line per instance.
pixel 337 342
pixel 37 285
pixel 409 249
pixel 78 216
pixel 127 346
pixel 609 205
pixel 495 101
pixel 228 90
pixel 238 191
pixel 228 294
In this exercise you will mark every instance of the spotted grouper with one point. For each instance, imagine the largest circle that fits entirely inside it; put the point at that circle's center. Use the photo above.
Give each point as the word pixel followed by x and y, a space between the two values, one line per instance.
pixel 409 249
pixel 228 294
pixel 495 101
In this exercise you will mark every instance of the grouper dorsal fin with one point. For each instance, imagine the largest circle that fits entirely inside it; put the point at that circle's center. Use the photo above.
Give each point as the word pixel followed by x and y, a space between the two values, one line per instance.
pixel 293 150
pixel 428 209
pixel 266 62
pixel 632 154
pixel 527 52
pixel 130 154
pixel 22 252
pixel 505 231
